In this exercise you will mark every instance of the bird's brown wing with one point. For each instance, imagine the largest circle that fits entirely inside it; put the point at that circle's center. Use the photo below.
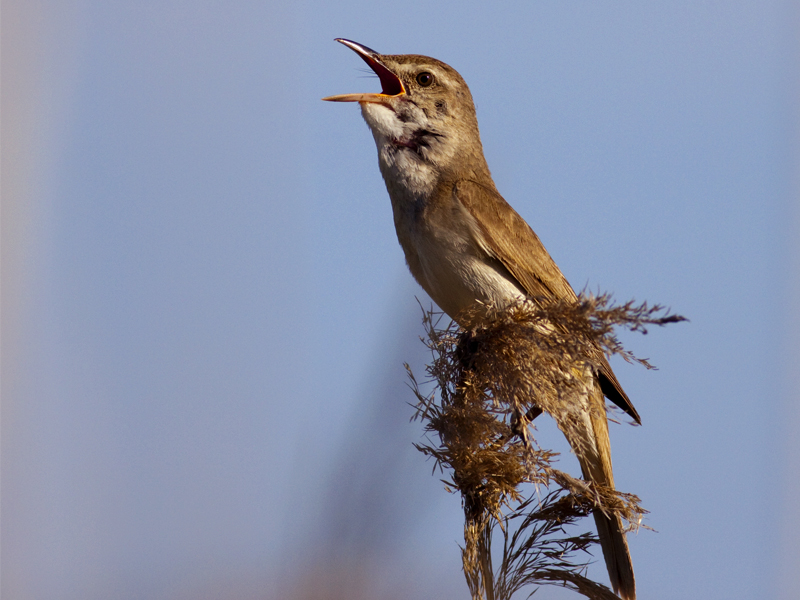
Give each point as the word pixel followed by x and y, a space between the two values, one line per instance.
pixel 521 251
pixel 514 243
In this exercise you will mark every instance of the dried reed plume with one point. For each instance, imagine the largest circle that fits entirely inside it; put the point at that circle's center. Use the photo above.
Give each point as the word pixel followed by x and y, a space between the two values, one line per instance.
pixel 490 382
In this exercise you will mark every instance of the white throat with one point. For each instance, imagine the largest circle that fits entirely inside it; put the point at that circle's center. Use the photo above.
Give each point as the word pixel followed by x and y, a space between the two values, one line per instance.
pixel 401 165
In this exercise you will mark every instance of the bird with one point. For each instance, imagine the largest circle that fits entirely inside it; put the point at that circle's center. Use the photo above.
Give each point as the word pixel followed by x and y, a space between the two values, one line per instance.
pixel 465 245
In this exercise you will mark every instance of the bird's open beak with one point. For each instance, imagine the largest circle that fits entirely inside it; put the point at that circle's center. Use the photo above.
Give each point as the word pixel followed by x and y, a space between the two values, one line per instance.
pixel 390 83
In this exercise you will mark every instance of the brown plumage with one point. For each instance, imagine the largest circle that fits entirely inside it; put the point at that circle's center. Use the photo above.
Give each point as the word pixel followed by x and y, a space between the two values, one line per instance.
pixel 464 243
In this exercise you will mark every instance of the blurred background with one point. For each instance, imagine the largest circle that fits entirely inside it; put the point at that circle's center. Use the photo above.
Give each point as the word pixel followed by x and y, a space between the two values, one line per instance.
pixel 205 312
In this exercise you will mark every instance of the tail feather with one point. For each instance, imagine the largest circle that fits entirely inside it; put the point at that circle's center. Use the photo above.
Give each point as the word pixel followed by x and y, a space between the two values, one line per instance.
pixel 594 455
pixel 616 554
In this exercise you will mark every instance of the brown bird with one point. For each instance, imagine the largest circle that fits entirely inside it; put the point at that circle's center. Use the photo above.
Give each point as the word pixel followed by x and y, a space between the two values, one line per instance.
pixel 464 243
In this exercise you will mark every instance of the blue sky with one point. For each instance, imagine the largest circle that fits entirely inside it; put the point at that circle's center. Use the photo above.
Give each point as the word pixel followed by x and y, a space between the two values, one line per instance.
pixel 206 312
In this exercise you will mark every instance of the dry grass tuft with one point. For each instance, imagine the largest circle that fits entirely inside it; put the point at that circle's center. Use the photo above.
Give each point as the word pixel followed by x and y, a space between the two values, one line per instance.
pixel 490 382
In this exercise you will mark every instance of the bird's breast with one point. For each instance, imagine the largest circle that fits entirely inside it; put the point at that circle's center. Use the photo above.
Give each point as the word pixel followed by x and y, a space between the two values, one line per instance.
pixel 441 241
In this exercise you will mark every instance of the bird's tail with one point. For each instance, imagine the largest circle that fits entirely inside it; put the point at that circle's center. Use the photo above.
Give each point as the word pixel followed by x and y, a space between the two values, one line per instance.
pixel 615 552
pixel 595 459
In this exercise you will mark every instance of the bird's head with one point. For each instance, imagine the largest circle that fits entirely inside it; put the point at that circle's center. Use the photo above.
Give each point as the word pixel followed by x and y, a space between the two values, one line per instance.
pixel 424 110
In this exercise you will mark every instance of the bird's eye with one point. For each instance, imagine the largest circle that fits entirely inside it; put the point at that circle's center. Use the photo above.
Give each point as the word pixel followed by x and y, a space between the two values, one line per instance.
pixel 424 79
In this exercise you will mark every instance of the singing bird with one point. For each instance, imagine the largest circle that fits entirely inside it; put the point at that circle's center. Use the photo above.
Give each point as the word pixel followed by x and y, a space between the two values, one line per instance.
pixel 464 243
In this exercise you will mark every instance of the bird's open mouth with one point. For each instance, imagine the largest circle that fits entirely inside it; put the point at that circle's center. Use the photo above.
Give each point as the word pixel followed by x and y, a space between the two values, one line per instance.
pixel 390 83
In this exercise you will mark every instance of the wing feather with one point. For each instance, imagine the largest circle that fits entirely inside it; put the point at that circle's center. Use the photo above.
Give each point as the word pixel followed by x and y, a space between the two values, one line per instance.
pixel 509 239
